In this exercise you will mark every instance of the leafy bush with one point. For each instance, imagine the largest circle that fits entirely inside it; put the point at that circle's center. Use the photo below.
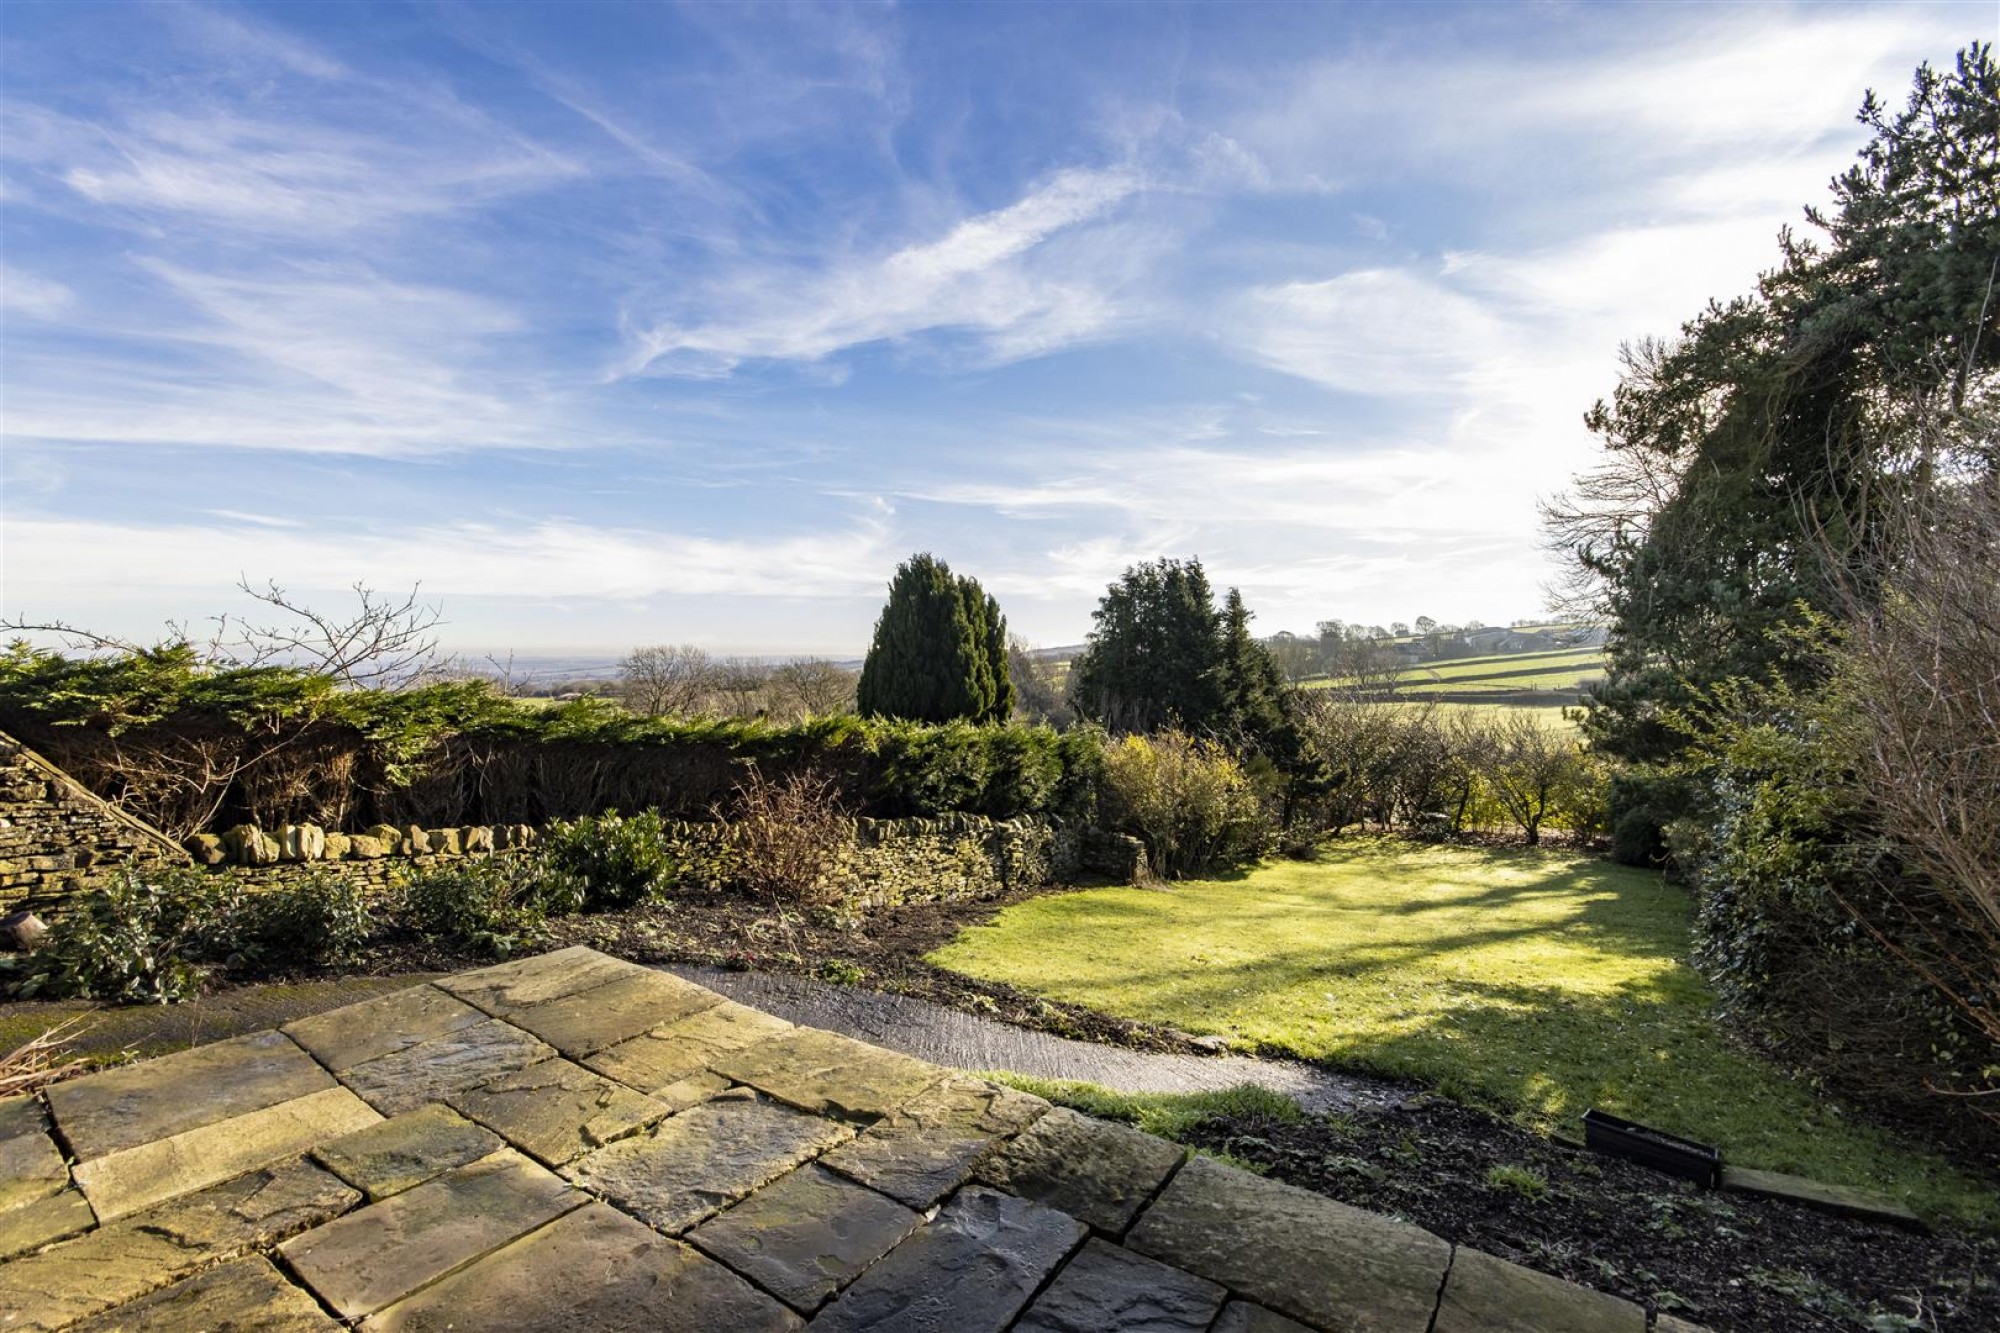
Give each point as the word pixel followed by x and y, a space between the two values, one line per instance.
pixel 1642 802
pixel 1188 800
pixel 491 906
pixel 620 861
pixel 317 919
pixel 143 937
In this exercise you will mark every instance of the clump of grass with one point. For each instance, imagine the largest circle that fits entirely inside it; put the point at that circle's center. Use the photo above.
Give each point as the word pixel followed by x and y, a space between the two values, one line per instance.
pixel 1171 1115
pixel 1522 1180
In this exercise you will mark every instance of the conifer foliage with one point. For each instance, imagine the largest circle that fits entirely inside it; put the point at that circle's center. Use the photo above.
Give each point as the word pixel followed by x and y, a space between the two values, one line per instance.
pixel 939 652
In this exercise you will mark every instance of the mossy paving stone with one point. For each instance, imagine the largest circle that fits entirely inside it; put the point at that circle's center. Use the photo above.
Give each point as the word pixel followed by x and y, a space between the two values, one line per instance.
pixel 1107 1288
pixel 407 1150
pixel 122 1108
pixel 372 1258
pixel 587 1022
pixel 1243 1317
pixel 829 1074
pixel 673 1052
pixel 521 982
pixel 1666 1323
pixel 806 1235
pixel 1093 1170
pixel 433 1070
pixel 55 1287
pixel 556 1111
pixel 704 1159
pixel 1840 1200
pixel 31 1166
pixel 969 1270
pixel 591 1271
pixel 929 1148
pixel 33 1225
pixel 690 1091
pixel 1483 1294
pixel 358 1033
pixel 1295 1251
pixel 247 1296
pixel 140 1177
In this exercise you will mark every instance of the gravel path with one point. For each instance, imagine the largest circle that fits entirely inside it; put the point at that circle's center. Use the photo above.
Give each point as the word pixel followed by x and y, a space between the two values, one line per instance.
pixel 967 1041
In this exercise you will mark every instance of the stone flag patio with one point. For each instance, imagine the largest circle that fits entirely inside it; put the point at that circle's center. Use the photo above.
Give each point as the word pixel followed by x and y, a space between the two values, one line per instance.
pixel 574 1142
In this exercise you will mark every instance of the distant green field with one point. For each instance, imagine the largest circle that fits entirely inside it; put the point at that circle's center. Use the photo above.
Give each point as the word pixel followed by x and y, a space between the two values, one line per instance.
pixel 1563 671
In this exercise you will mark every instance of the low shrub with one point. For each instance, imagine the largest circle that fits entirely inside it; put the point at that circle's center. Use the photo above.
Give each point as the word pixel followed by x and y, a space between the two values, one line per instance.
pixel 1190 801
pixel 786 836
pixel 317 920
pixel 619 860
pixel 145 936
pixel 490 906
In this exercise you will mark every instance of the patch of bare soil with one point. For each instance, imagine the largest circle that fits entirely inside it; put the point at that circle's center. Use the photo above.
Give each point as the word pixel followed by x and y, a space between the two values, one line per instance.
pixel 1727 1261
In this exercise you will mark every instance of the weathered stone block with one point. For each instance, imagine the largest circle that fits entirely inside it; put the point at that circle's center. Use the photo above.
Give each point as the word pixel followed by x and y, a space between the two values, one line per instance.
pixel 929 1148
pixel 1093 1170
pixel 680 1050
pixel 507 987
pixel 372 1258
pixel 478 841
pixel 1243 1317
pixel 139 1177
pixel 302 842
pixel 807 1235
pixel 345 1037
pixel 1105 1287
pixel 247 1294
pixel 250 846
pixel 970 1270
pixel 31 1166
pixel 1294 1251
pixel 29 1226
pixel 557 1111
pixel 591 1269
pixel 407 1150
pixel 338 845
pixel 207 849
pixel 362 847
pixel 704 1159
pixel 388 835
pixel 55 1287
pixel 1483 1293
pixel 433 1070
pixel 587 1021
pixel 156 1099
pixel 446 842
pixel 826 1073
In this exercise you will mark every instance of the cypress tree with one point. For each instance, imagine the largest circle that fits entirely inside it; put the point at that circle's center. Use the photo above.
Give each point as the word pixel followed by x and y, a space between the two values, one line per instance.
pixel 1155 654
pixel 934 657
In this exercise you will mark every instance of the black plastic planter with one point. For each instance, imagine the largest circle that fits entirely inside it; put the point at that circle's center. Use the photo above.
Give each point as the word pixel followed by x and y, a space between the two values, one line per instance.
pixel 1652 1147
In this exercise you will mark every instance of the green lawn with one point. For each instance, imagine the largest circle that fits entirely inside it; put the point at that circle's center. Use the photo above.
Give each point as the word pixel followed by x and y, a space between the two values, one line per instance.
pixel 1540 983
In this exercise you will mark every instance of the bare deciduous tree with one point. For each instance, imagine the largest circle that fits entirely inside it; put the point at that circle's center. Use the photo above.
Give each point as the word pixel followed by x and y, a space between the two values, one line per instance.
pixel 812 687
pixel 666 678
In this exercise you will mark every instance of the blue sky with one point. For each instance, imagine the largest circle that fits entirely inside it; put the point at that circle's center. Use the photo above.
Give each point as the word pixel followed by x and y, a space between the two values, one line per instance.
pixel 641 323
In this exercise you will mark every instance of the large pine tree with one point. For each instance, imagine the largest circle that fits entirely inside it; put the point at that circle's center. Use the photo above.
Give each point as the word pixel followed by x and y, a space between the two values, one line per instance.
pixel 939 651
pixel 1155 654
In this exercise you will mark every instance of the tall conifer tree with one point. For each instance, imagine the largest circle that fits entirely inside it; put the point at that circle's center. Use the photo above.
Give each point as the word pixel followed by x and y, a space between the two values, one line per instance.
pixel 939 651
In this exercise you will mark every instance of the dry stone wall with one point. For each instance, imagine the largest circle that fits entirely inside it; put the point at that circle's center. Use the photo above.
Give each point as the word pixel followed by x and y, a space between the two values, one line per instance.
pixel 56 837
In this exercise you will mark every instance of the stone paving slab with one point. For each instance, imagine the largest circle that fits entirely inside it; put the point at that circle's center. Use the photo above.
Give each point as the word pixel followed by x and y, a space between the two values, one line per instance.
pixel 31 1166
pixel 557 1111
pixel 1244 1317
pixel 673 1052
pixel 1093 1170
pixel 587 1021
pixel 593 1269
pixel 1294 1251
pixel 829 1074
pixel 704 1159
pixel 433 1070
pixel 1106 1287
pixel 929 1148
pixel 970 1270
pixel 122 1108
pixel 135 1178
pixel 343 1038
pixel 1483 1294
pixel 393 1155
pixel 509 987
pixel 386 1251
pixel 249 1294
pixel 33 1225
pixel 807 1235
pixel 55 1287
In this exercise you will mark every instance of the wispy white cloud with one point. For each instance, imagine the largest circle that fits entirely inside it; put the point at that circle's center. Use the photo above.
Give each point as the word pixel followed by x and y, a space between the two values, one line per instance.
pixel 974 278
pixel 32 295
